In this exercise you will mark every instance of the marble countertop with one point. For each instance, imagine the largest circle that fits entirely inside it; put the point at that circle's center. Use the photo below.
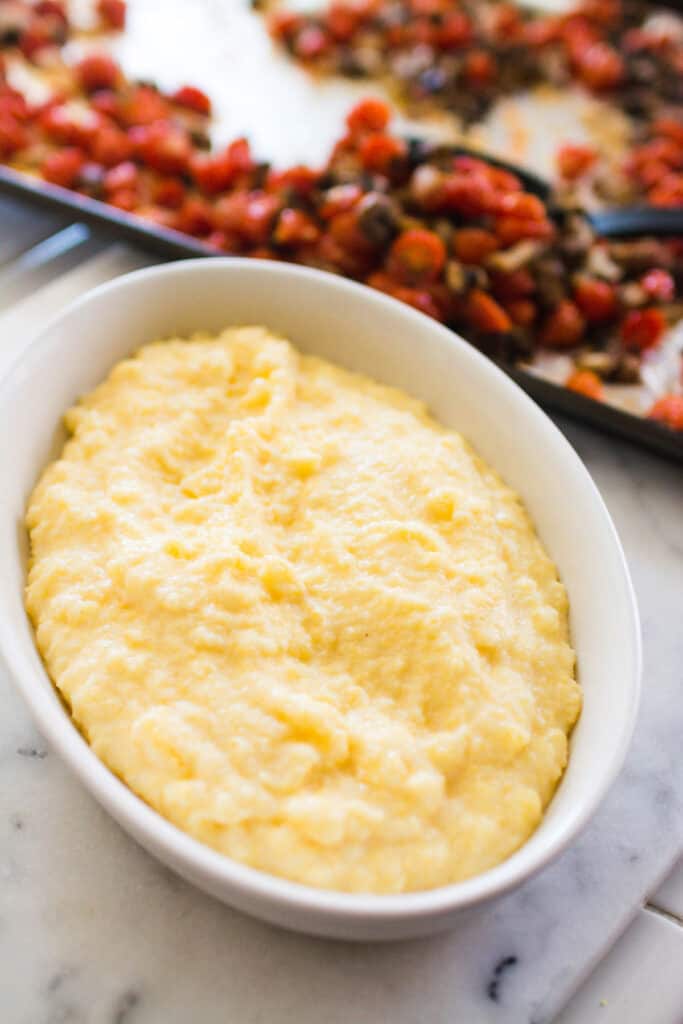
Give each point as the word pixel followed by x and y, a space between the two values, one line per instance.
pixel 92 929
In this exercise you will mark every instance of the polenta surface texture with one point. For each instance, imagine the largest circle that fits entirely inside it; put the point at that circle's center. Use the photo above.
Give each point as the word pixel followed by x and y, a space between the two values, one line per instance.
pixel 299 618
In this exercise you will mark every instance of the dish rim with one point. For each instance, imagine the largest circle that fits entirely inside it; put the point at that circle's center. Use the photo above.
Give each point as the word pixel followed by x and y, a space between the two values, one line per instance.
pixel 157 833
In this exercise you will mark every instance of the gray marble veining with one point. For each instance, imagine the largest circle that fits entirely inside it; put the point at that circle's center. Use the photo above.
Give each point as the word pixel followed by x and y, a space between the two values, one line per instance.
pixel 93 931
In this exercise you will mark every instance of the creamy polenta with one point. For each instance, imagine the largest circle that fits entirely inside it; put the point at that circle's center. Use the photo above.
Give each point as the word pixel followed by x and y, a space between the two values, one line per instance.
pixel 299 618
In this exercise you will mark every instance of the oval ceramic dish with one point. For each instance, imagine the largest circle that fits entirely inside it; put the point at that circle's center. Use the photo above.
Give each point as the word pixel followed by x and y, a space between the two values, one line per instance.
pixel 368 332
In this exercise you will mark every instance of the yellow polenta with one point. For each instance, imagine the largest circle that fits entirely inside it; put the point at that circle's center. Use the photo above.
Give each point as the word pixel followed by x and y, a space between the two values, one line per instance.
pixel 299 618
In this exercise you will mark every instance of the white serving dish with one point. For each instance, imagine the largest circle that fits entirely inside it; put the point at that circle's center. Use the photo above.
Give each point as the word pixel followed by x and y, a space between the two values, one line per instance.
pixel 365 331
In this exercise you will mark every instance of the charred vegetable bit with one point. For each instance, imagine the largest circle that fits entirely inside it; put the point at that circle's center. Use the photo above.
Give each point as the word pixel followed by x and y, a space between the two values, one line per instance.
pixel 453 236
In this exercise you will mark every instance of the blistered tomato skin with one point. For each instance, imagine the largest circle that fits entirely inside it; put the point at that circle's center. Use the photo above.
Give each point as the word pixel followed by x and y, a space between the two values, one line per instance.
pixel 474 245
pixel 123 175
pixel 417 256
pixel 193 98
pixel 659 284
pixel 574 160
pixel 98 71
pixel 295 228
pixel 112 13
pixel 564 327
pixel 484 313
pixel 668 411
pixel 596 299
pixel 370 115
pixel 110 146
pixel 63 167
pixel 311 42
pixel 13 136
pixel 446 232
pixel 586 383
pixel 165 148
pixel 642 329
pixel 380 152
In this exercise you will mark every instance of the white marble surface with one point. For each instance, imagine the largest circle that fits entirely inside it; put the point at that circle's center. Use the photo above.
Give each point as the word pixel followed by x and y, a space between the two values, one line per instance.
pixel 93 930
pixel 669 896
pixel 639 980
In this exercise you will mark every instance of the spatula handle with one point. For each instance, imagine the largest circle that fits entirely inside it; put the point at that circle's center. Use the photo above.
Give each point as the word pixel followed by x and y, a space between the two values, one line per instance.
pixel 630 221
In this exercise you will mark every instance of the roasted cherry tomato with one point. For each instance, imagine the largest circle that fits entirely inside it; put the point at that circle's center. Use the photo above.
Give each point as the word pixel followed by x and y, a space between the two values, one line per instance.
pixel 193 98
pixel 294 227
pixel 453 31
pixel 311 42
pixel 143 105
pixel 473 245
pixel 64 166
pixel 196 217
pixel 51 9
pixel 480 68
pixel 299 179
pixel 110 146
pixel 216 172
pixel 247 214
pixel 485 314
pixel 284 23
pixel 642 329
pixel 467 195
pixel 668 191
pixel 522 205
pixel 417 256
pixel 596 299
pixel 125 175
pixel 587 383
pixel 165 147
pixel 370 115
pixel 511 230
pixel 574 160
pixel 112 13
pixel 169 192
pixel 107 102
pixel 513 284
pixel 659 284
pixel 339 199
pixel 564 327
pixel 668 410
pixel 600 67
pixel 13 135
pixel 98 71
pixel 521 311
pixel 125 199
pixel 62 124
pixel 380 153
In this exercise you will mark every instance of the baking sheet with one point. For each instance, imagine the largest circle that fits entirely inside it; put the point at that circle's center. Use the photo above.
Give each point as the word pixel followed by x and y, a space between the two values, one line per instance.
pixel 290 117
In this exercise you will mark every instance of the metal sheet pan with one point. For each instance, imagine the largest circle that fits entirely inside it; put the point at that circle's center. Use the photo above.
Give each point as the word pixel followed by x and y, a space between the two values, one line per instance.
pixel 289 116
pixel 174 245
